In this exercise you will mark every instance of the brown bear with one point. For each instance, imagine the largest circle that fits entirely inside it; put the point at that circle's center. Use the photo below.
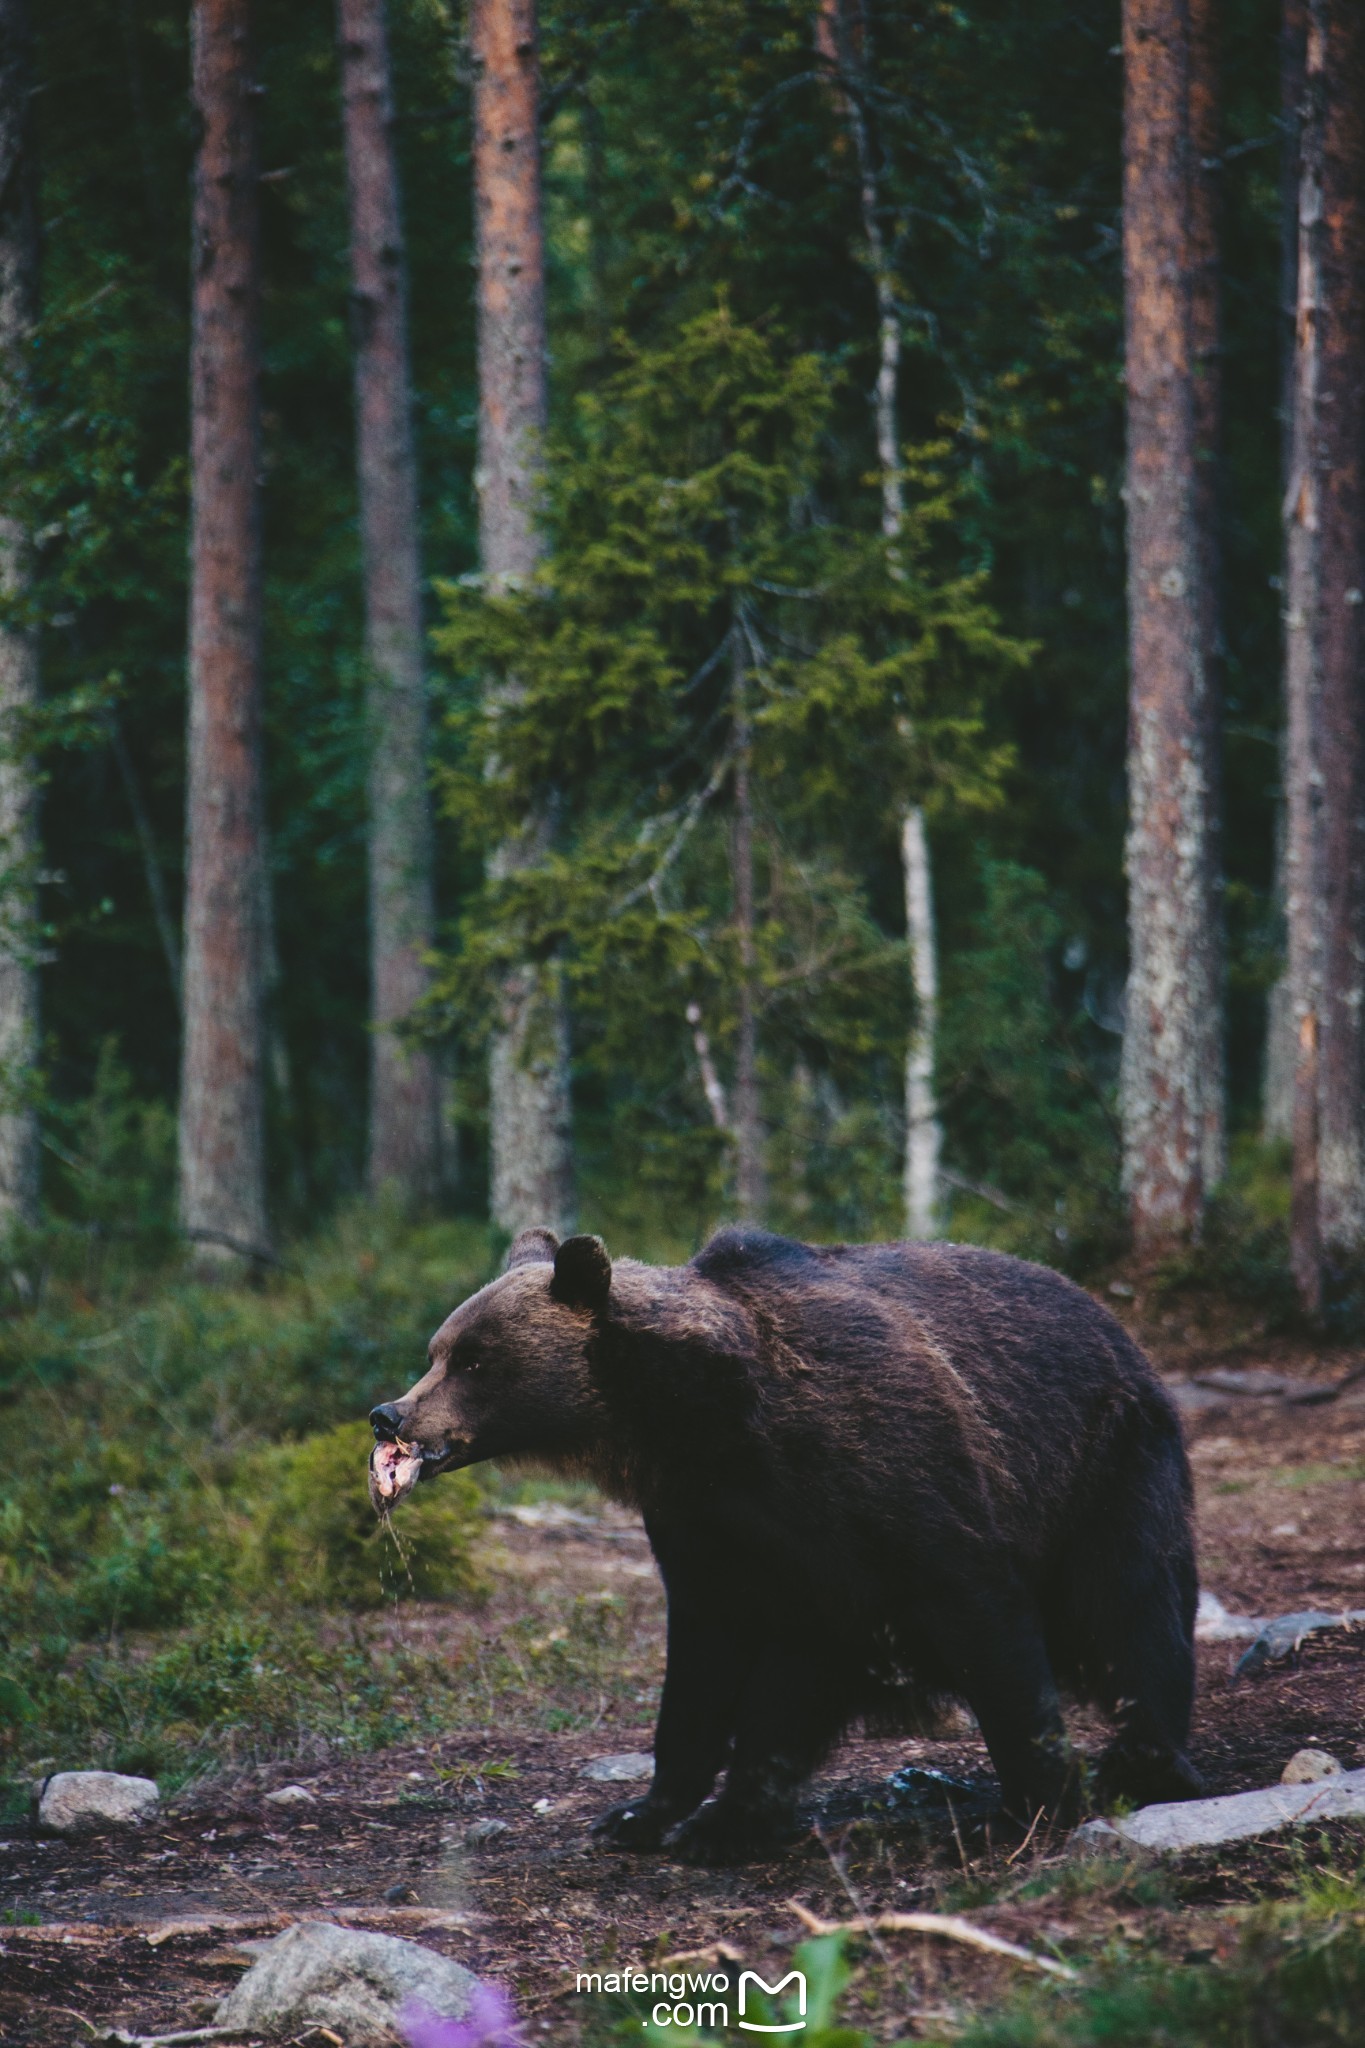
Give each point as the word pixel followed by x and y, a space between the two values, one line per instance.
pixel 867 1472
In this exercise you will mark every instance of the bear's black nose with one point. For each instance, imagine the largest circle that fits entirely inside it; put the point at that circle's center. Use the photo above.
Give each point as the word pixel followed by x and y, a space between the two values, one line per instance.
pixel 386 1422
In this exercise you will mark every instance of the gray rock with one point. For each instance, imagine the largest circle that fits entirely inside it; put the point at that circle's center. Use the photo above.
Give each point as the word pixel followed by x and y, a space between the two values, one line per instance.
pixel 1213 1623
pixel 1205 1823
pixel 319 1975
pixel 291 1795
pixel 1283 1636
pixel 486 1831
pixel 94 1802
pixel 634 1768
pixel 1260 1385
pixel 1310 1767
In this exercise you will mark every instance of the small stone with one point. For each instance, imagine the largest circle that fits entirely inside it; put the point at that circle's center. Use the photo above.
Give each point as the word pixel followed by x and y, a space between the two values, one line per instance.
pixel 319 1975
pixel 1207 1823
pixel 291 1795
pixel 1307 1766
pixel 543 1806
pixel 94 1802
pixel 486 1831
pixel 1214 1624
pixel 633 1768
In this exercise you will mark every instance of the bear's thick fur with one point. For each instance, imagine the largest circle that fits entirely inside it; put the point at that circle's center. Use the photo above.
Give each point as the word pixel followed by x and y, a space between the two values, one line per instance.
pixel 864 1470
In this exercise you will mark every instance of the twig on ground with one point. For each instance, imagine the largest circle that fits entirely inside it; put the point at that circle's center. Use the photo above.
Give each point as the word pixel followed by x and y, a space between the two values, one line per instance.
pixel 715 1951
pixel 846 1882
pixel 115 2037
pixel 1010 1861
pixel 946 1926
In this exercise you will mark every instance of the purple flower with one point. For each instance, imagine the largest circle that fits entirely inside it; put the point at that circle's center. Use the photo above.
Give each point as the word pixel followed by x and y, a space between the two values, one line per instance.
pixel 490 2022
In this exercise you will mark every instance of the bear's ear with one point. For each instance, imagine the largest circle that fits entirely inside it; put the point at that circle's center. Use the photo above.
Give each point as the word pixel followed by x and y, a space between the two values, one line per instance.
pixel 582 1274
pixel 532 1248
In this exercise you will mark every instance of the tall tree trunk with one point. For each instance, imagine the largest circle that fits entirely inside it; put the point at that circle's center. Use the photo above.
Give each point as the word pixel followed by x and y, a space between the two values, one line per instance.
pixel 222 1137
pixel 922 1131
pixel 751 1180
pixel 839 43
pixel 18 648
pixel 529 1108
pixel 1206 341
pixel 404 1151
pixel 1277 1073
pixel 1173 980
pixel 1325 514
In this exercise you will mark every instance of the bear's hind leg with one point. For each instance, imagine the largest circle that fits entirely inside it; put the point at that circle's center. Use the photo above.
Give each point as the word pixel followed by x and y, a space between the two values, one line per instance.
pixel 1130 1624
pixel 995 1647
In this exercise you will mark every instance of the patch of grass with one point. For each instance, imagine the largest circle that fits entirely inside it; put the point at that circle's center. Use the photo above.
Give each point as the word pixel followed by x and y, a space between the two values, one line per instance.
pixel 1296 1478
pixel 191 1458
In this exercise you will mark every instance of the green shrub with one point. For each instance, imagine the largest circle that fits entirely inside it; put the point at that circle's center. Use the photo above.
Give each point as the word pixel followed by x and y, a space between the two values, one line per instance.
pixel 314 1537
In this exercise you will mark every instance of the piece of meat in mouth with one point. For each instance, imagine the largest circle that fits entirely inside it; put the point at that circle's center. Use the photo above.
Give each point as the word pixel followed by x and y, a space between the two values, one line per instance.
pixel 395 1468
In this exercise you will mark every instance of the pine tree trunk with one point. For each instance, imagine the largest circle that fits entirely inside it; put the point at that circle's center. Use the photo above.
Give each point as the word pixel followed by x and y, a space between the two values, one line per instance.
pixel 1325 513
pixel 751 1180
pixel 1277 1072
pixel 529 1107
pixel 18 649
pixel 1206 335
pixel 1173 979
pixel 404 1150
pixel 840 45
pixel 222 1138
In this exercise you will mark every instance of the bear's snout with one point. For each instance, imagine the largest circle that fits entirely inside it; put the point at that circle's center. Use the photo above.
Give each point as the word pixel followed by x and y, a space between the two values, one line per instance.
pixel 386 1421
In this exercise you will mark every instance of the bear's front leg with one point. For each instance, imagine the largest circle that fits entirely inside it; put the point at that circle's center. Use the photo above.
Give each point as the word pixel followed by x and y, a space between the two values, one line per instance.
pixel 793 1709
pixel 696 1719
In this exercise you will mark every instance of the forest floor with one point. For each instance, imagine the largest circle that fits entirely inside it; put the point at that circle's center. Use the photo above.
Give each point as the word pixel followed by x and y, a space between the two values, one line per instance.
pixel 142 1932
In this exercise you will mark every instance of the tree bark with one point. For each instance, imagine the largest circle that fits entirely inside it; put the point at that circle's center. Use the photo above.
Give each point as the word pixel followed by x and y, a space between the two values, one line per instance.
pixel 19 937
pixel 922 1138
pixel 1277 1073
pixel 222 1136
pixel 751 1180
pixel 530 1113
pixel 838 42
pixel 1168 1076
pixel 1206 336
pixel 404 1148
pixel 1325 585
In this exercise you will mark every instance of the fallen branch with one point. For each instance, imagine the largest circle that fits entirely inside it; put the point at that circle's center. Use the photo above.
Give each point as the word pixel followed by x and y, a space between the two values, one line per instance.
pixel 86 1935
pixel 946 1926
pixel 714 1952
pixel 115 2037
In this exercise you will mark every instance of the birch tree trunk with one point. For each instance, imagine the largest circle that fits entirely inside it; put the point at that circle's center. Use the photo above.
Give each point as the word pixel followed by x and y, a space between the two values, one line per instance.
pixel 1325 515
pixel 1173 980
pixel 404 1148
pixel 838 43
pixel 751 1181
pixel 222 1137
pixel 529 1107
pixel 18 648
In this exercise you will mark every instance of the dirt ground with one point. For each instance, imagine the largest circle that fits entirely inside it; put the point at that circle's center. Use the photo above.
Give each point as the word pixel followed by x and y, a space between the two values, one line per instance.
pixel 142 1932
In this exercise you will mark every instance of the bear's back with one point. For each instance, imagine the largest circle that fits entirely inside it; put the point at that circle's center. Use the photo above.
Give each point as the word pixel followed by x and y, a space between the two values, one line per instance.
pixel 960 1345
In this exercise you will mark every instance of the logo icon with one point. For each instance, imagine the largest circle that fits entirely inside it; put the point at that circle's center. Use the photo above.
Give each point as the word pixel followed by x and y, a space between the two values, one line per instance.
pixel 751 1978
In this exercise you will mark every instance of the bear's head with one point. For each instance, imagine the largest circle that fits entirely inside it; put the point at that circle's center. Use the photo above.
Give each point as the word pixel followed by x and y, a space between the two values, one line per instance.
pixel 509 1374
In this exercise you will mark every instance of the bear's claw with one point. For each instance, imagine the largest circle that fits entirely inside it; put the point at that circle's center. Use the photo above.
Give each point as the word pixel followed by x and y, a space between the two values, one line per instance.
pixel 634 1824
pixel 719 1834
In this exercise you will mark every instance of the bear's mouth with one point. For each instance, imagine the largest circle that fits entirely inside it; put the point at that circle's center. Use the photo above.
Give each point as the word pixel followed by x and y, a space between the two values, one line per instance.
pixel 396 1467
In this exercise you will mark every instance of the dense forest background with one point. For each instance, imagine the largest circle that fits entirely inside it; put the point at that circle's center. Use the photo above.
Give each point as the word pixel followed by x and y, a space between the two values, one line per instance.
pixel 697 170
